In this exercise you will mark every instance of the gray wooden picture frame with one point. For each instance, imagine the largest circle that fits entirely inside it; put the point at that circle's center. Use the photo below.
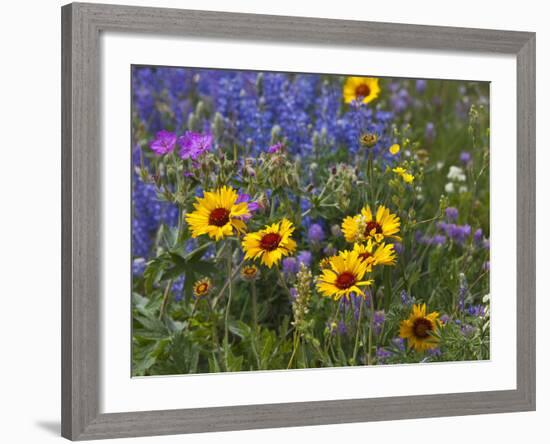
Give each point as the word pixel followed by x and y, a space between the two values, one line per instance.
pixel 81 232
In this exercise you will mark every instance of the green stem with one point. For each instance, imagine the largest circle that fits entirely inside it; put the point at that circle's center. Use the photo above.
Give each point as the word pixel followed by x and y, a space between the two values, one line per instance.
pixel 356 346
pixel 215 331
pixel 227 282
pixel 254 307
pixel 255 322
pixel 228 307
pixel 294 348
pixel 283 282
pixel 165 299
pixel 370 172
pixel 371 327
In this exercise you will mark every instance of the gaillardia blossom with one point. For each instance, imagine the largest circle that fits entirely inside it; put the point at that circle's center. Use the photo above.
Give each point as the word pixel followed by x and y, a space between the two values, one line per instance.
pixel 345 276
pixel 376 254
pixel 364 226
pixel 363 89
pixel 218 214
pixel 250 272
pixel 202 287
pixel 419 329
pixel 270 244
pixel 368 139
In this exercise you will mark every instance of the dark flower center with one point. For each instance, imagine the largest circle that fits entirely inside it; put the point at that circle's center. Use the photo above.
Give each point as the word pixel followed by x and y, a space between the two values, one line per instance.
pixel 364 256
pixel 373 225
pixel 270 241
pixel 369 139
pixel 219 217
pixel 345 280
pixel 362 90
pixel 422 327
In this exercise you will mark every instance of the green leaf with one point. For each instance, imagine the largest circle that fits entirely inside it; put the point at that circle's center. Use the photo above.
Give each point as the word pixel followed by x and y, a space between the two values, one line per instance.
pixel 234 363
pixel 240 329
pixel 153 325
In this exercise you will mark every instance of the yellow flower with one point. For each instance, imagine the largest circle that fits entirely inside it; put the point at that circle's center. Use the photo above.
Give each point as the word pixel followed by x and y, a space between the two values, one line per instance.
pixel 364 226
pixel 325 262
pixel 407 177
pixel 217 215
pixel 419 329
pixel 250 272
pixel 345 276
pixel 394 149
pixel 376 254
pixel 399 170
pixel 270 244
pixel 364 89
pixel 202 287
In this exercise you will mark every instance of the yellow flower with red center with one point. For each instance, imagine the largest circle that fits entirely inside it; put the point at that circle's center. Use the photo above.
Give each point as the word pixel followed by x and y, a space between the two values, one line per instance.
pixel 217 214
pixel 202 287
pixel 250 272
pixel 362 89
pixel 365 226
pixel 270 244
pixel 376 254
pixel 420 328
pixel 345 276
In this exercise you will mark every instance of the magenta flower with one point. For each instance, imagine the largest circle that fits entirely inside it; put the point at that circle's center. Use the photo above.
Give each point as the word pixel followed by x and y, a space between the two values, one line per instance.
pixel 164 143
pixel 275 148
pixel 192 145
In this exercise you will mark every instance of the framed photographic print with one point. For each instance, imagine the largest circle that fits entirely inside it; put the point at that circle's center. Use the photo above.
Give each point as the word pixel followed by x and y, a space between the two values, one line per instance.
pixel 278 221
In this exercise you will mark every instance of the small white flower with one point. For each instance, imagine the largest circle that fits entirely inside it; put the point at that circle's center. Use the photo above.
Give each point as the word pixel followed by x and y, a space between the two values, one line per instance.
pixel 450 188
pixel 456 173
pixel 463 189
pixel 439 165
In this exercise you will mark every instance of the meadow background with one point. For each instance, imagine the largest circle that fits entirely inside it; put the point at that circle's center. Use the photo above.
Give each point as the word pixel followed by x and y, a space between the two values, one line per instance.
pixel 293 147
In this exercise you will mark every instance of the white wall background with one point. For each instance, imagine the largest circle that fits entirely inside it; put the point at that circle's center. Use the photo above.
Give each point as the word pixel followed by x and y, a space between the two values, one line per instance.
pixel 30 220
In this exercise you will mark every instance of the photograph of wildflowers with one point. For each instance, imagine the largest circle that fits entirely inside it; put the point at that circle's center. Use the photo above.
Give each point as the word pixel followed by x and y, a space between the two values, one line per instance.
pixel 293 221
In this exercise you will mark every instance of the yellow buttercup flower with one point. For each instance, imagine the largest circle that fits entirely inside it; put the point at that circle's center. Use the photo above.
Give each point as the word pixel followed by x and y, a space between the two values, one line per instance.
pixel 364 89
pixel 399 170
pixel 345 276
pixel 419 329
pixel 202 287
pixel 407 177
pixel 270 244
pixel 364 226
pixel 217 215
pixel 376 254
pixel 394 149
